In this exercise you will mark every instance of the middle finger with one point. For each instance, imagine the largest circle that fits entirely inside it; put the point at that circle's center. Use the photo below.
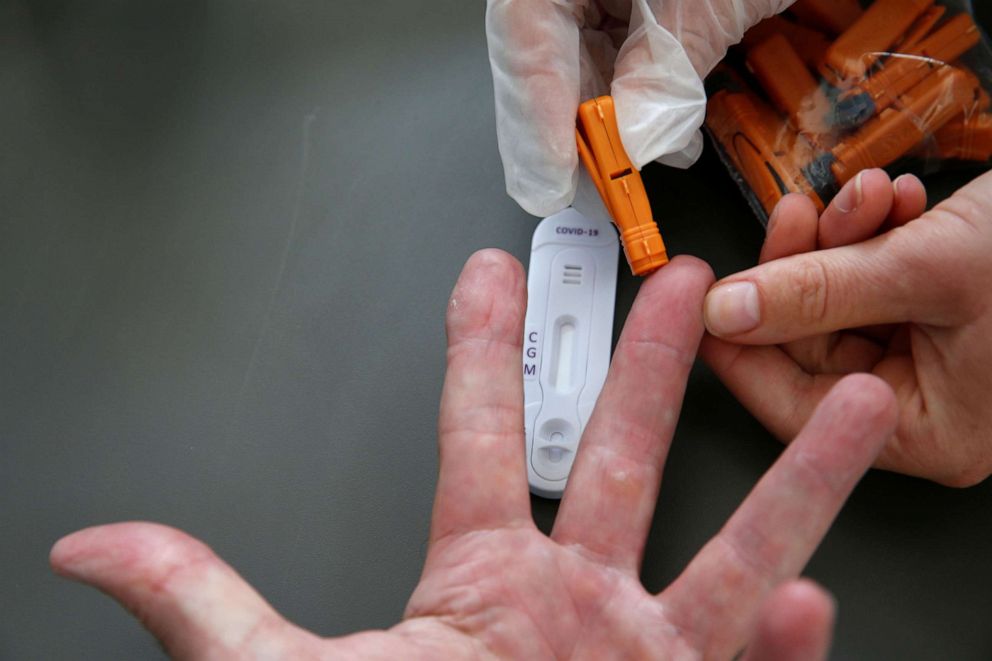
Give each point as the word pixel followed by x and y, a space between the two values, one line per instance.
pixel 611 494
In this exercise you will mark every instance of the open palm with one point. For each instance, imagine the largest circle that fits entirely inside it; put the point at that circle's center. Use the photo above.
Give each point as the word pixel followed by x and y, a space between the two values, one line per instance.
pixel 493 584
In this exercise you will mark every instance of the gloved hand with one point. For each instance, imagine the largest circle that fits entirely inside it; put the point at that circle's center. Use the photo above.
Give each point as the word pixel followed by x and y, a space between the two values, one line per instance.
pixel 652 55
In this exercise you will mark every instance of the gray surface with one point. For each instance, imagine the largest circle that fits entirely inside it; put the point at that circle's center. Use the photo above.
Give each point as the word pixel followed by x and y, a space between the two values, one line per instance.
pixel 227 234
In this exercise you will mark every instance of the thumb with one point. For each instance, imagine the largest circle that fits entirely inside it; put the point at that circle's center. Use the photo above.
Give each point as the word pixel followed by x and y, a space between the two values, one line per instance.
pixel 193 602
pixel 908 274
pixel 534 52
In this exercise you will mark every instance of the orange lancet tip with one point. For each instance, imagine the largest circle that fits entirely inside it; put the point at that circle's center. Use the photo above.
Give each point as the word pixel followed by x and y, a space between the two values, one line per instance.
pixel 620 185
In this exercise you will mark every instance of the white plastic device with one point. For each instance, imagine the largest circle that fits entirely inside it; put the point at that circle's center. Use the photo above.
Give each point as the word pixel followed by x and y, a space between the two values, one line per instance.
pixel 568 333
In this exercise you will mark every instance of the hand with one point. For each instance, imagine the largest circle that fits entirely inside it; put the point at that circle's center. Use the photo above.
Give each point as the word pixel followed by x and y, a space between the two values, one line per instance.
pixel 494 585
pixel 911 305
pixel 653 54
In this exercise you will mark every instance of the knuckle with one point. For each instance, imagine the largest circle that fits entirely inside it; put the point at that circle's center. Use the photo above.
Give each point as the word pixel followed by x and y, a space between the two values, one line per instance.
pixel 810 284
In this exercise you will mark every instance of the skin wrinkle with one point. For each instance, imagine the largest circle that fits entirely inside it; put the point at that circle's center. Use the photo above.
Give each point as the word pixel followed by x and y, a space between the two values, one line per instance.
pixel 482 418
pixel 455 531
pixel 403 629
pixel 478 290
pixel 446 539
pixel 162 586
pixel 829 350
pixel 812 293
pixel 498 339
pixel 806 463
pixel 796 416
pixel 189 562
pixel 692 623
pixel 270 622
pixel 617 454
pixel 640 438
pixel 681 356
pixel 482 352
pixel 752 564
pixel 454 623
pixel 727 639
pixel 607 557
pixel 922 341
pixel 589 554
pixel 265 620
pixel 483 599
pixel 615 579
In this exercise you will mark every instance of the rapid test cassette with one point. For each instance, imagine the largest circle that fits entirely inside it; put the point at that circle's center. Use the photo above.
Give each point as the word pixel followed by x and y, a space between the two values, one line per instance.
pixel 568 334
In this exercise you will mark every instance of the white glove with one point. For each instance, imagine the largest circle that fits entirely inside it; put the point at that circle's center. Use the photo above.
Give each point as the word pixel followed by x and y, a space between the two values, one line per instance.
pixel 651 55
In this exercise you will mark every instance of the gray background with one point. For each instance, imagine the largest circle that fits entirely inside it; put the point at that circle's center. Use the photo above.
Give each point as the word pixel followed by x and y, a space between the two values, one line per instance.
pixel 227 234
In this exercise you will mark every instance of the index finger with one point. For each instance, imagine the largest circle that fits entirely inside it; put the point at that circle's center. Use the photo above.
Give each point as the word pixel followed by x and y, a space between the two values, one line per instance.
pixel 775 531
pixel 482 479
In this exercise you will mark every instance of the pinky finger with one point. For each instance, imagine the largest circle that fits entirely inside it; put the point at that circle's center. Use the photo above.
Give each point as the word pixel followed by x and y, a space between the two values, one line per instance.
pixel 858 211
pixel 192 601
pixel 791 229
pixel 909 203
pixel 796 623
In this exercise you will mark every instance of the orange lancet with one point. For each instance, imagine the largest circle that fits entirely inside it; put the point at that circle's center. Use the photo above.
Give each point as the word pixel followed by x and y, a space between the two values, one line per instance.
pixel 812 46
pixel 968 138
pixel 878 28
pixel 620 185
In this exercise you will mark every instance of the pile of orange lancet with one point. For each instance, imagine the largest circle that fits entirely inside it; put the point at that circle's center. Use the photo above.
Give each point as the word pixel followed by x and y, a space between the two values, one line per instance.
pixel 833 87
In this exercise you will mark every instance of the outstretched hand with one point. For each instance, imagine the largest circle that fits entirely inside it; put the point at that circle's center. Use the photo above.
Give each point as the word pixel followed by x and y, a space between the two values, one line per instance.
pixel 873 285
pixel 493 584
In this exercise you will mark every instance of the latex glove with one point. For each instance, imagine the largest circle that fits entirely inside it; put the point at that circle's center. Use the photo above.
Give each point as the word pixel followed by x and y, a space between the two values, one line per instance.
pixel 493 584
pixel 928 275
pixel 652 55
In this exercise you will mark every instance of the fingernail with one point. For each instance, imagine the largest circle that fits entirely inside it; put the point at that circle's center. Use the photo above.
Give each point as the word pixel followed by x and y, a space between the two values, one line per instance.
pixel 899 184
pixel 850 196
pixel 732 309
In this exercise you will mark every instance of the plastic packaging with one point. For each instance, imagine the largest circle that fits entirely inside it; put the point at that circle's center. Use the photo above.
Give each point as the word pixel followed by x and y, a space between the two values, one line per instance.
pixel 832 87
